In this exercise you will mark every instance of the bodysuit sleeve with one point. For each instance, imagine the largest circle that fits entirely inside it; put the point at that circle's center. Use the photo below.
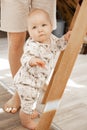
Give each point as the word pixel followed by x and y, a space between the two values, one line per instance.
pixel 61 43
pixel 29 52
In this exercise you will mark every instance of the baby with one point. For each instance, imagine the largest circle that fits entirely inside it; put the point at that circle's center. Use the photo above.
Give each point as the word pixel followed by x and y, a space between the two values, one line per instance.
pixel 37 62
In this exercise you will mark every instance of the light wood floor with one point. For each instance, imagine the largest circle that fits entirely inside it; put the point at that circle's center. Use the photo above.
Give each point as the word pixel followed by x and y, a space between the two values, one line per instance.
pixel 72 112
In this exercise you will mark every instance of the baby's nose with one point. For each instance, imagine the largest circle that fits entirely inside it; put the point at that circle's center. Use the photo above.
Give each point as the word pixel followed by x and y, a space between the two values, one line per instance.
pixel 40 29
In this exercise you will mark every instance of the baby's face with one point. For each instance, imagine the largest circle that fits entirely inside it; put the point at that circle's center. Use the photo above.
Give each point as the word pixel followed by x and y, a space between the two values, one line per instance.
pixel 39 27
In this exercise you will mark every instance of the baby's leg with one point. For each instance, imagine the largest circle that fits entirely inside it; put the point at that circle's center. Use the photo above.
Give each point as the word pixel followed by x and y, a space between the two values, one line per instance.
pixel 35 114
pixel 28 96
pixel 26 121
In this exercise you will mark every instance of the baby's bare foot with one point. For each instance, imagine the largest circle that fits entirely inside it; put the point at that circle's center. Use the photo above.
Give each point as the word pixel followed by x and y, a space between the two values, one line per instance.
pixel 35 114
pixel 12 104
pixel 26 121
pixel 31 125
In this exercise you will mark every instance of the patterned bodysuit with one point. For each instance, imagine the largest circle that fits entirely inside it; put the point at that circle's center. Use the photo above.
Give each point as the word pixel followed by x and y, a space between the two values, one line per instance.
pixel 29 80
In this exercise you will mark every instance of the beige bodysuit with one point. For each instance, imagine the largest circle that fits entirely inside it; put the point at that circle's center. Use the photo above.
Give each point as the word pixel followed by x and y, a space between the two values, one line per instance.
pixel 29 80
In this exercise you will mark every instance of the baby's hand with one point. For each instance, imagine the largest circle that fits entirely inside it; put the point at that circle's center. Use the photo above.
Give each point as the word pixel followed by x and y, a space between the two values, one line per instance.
pixel 67 35
pixel 36 61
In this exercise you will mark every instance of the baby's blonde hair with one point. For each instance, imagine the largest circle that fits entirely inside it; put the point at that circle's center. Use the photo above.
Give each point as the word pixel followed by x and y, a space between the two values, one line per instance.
pixel 37 10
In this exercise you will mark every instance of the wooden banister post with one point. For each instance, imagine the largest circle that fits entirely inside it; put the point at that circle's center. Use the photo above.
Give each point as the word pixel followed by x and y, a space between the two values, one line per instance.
pixel 60 57
pixel 64 70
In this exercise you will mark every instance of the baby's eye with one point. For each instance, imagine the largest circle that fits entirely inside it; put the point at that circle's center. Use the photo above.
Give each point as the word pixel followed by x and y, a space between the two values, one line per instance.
pixel 34 27
pixel 44 25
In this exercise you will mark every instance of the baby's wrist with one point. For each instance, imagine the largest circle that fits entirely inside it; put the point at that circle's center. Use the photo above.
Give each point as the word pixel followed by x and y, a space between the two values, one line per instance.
pixel 30 63
pixel 65 37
